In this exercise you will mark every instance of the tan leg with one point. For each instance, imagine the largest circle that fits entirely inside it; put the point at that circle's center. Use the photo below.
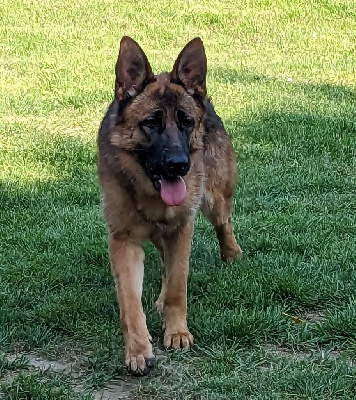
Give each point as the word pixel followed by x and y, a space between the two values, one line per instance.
pixel 158 243
pixel 173 297
pixel 127 268
pixel 219 214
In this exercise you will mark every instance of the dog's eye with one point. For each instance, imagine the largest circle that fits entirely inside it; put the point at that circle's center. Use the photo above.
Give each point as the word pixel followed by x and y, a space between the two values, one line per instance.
pixel 150 123
pixel 186 120
pixel 153 121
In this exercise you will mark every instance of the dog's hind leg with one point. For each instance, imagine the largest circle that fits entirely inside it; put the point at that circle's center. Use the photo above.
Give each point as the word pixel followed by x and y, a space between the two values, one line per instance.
pixel 157 242
pixel 219 214
pixel 217 208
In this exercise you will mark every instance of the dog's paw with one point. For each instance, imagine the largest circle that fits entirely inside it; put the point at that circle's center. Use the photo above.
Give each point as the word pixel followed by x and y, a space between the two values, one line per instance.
pixel 139 356
pixel 231 252
pixel 140 365
pixel 178 340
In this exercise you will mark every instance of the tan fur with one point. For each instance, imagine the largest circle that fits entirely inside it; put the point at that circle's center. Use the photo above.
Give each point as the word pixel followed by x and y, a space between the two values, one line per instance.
pixel 135 213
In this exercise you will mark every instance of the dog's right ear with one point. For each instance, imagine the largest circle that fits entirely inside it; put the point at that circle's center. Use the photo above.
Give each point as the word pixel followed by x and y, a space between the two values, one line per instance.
pixel 133 70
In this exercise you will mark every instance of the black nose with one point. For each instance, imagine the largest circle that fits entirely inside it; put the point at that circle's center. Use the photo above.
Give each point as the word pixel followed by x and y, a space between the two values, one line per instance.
pixel 178 164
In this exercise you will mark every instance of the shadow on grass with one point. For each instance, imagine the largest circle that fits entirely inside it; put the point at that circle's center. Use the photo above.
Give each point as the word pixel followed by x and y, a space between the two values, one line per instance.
pixel 329 91
pixel 56 281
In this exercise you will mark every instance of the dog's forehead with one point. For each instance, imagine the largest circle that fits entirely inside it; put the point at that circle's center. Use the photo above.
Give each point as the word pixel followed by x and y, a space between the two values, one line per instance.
pixel 162 90
pixel 161 94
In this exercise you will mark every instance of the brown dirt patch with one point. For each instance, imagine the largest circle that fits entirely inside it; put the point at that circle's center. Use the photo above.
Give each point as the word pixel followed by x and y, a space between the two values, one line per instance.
pixel 114 390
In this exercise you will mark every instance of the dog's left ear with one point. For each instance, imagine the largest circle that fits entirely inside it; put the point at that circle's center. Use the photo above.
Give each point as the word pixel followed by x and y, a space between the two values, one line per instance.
pixel 190 68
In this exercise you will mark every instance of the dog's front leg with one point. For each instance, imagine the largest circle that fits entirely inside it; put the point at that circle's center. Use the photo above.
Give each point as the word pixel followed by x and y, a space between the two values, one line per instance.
pixel 127 267
pixel 177 248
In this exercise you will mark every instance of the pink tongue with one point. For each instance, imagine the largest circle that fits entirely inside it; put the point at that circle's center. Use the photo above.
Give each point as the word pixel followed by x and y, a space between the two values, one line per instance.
pixel 173 192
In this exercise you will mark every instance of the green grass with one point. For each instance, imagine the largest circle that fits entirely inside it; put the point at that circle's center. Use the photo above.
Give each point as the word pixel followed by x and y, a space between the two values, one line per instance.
pixel 280 323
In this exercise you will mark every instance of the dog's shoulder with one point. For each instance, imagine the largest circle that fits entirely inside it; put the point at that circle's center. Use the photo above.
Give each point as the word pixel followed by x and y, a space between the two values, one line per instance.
pixel 211 121
pixel 214 129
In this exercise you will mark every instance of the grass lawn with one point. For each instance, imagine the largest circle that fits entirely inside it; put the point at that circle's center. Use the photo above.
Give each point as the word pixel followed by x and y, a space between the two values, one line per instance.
pixel 280 323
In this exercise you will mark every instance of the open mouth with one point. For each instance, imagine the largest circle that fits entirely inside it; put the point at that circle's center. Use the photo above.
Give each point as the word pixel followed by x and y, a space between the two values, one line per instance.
pixel 171 189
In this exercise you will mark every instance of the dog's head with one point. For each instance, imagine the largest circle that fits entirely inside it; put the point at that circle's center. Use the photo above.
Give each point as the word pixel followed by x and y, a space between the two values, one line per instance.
pixel 159 116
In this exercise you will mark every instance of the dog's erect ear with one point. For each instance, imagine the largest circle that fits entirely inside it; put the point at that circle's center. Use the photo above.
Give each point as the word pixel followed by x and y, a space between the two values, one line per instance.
pixel 133 70
pixel 190 68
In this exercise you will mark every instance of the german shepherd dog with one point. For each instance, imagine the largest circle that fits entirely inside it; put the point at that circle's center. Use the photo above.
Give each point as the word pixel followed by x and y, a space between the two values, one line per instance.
pixel 163 154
